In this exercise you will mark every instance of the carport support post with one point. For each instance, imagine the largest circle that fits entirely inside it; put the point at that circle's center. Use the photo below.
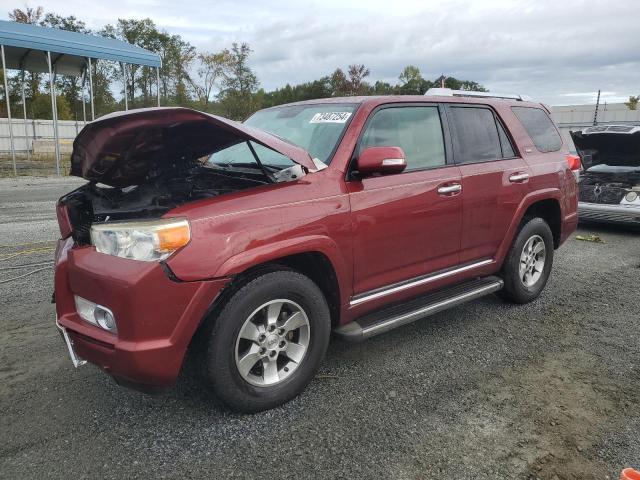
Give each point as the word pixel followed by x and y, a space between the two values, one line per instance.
pixel 24 111
pixel 84 109
pixel 124 80
pixel 93 111
pixel 6 97
pixel 158 83
pixel 54 111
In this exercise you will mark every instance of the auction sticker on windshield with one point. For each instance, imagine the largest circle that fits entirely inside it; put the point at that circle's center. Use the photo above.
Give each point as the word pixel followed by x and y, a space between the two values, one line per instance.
pixel 330 117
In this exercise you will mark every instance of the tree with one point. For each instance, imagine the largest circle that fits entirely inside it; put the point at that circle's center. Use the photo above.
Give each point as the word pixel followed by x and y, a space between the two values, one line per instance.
pixel 356 84
pixel 239 84
pixel 339 83
pixel 412 82
pixel 176 56
pixel 210 72
pixel 68 86
pixel 28 15
pixel 31 16
pixel 382 88
pixel 632 104
pixel 40 107
pixel 455 84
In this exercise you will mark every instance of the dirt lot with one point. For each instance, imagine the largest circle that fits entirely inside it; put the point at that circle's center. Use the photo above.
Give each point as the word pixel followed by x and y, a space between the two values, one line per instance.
pixel 484 391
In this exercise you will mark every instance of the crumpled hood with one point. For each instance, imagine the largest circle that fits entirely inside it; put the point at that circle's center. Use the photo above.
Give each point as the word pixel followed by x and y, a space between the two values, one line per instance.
pixel 614 145
pixel 122 148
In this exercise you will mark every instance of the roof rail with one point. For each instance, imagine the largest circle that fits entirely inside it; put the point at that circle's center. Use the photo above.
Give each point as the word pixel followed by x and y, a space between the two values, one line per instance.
pixel 447 92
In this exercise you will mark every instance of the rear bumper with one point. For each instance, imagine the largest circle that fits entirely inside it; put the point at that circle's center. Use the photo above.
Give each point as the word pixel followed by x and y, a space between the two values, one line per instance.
pixel 627 214
pixel 156 316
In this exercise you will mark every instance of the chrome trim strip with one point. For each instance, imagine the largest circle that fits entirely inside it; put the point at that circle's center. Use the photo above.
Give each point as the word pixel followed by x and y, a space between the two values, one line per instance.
pixel 358 299
pixel 432 308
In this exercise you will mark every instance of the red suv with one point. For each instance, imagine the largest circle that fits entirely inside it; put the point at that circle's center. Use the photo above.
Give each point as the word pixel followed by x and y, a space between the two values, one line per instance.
pixel 246 244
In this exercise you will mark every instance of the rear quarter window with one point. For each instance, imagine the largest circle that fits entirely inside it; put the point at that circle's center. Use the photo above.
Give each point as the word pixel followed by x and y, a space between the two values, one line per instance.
pixel 540 128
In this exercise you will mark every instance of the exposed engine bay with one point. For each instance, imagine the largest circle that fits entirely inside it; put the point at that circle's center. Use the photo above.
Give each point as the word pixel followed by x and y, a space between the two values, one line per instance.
pixel 610 187
pixel 610 156
pixel 142 163
pixel 94 202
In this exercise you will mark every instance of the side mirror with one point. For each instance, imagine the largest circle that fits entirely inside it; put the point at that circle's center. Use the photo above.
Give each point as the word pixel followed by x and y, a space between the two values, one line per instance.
pixel 381 160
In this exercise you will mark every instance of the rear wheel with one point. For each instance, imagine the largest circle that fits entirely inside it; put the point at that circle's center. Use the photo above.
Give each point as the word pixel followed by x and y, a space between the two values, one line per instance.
pixel 528 263
pixel 268 341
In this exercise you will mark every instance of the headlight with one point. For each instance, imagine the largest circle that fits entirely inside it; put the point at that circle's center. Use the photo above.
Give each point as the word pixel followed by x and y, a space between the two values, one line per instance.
pixel 149 241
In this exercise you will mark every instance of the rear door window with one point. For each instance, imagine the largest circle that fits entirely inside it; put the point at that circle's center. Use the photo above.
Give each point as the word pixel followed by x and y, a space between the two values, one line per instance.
pixel 539 127
pixel 476 137
pixel 417 130
pixel 507 148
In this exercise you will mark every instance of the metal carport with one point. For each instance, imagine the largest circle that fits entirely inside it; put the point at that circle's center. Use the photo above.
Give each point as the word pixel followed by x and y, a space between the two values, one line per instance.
pixel 33 48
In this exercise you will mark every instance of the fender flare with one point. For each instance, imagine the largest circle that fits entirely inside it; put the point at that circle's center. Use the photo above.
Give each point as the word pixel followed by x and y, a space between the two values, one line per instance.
pixel 527 201
pixel 291 246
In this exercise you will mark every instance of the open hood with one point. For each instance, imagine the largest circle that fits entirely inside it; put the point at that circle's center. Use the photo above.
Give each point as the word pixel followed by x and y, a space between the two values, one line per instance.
pixel 123 148
pixel 613 145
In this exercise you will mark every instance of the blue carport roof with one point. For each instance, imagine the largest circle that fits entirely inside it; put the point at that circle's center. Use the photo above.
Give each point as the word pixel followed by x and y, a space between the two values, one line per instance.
pixel 26 46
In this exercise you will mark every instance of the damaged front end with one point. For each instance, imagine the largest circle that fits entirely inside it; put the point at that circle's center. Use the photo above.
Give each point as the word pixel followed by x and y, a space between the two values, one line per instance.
pixel 609 188
pixel 143 163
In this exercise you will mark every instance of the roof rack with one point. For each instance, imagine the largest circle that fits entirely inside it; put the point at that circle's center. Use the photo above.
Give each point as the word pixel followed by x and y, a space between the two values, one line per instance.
pixel 447 92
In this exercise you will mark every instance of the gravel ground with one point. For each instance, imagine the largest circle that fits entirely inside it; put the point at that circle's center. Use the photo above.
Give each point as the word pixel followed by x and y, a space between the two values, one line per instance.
pixel 487 390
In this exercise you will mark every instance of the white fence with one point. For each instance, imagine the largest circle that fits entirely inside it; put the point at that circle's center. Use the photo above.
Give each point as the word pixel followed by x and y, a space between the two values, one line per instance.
pixel 38 134
pixel 576 117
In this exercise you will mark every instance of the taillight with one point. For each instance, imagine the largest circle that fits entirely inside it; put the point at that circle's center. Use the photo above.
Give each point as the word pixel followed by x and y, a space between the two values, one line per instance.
pixel 575 165
pixel 63 220
pixel 574 162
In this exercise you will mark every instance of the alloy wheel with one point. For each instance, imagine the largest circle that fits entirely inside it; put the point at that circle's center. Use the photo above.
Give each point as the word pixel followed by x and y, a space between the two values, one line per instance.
pixel 532 260
pixel 272 342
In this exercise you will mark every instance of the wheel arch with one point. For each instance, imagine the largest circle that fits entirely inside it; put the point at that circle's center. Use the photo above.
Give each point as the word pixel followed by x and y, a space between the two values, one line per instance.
pixel 545 204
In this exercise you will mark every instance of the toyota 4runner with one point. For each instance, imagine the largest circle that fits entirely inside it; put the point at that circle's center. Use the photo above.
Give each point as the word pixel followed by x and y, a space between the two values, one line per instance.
pixel 247 244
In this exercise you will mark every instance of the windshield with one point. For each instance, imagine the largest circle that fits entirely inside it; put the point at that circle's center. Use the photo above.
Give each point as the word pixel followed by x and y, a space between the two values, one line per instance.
pixel 316 128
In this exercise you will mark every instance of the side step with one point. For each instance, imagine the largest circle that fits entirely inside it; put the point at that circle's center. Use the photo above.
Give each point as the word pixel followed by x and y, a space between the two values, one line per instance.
pixel 400 314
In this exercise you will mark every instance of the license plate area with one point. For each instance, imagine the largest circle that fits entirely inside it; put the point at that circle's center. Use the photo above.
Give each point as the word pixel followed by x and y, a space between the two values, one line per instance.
pixel 75 359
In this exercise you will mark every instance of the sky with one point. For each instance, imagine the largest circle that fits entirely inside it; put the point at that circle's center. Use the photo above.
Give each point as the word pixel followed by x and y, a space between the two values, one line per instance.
pixel 557 51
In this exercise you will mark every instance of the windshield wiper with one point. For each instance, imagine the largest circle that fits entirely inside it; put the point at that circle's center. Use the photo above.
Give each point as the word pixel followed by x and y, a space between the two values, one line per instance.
pixel 262 167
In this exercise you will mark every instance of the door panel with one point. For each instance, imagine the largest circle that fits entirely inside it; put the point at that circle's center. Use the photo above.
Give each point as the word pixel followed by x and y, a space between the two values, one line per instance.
pixel 494 179
pixel 489 202
pixel 402 227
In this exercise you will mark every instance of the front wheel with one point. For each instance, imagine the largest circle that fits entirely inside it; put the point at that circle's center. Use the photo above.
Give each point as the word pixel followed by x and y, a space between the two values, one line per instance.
pixel 528 264
pixel 268 341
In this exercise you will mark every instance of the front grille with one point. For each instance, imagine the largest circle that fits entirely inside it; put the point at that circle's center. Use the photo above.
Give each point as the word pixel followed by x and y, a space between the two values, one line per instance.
pixel 601 194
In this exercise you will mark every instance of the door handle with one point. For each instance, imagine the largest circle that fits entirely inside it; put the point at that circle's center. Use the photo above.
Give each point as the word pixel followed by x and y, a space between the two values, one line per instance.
pixel 450 189
pixel 518 177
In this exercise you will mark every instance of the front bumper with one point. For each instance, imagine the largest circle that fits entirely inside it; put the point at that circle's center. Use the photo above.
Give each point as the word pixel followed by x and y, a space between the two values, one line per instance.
pixel 156 316
pixel 598 212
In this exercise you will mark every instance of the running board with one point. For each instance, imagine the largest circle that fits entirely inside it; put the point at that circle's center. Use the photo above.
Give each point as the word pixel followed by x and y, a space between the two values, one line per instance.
pixel 400 314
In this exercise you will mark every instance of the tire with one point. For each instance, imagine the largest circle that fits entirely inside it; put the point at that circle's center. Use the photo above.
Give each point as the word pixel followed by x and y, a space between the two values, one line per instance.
pixel 519 288
pixel 281 294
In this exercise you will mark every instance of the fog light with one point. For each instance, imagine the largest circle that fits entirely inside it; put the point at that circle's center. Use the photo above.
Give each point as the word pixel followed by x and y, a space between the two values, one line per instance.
pixel 104 318
pixel 96 314
pixel 631 197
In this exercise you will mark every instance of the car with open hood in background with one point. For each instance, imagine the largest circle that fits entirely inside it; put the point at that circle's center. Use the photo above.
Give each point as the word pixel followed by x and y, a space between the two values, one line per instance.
pixel 609 188
pixel 247 244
